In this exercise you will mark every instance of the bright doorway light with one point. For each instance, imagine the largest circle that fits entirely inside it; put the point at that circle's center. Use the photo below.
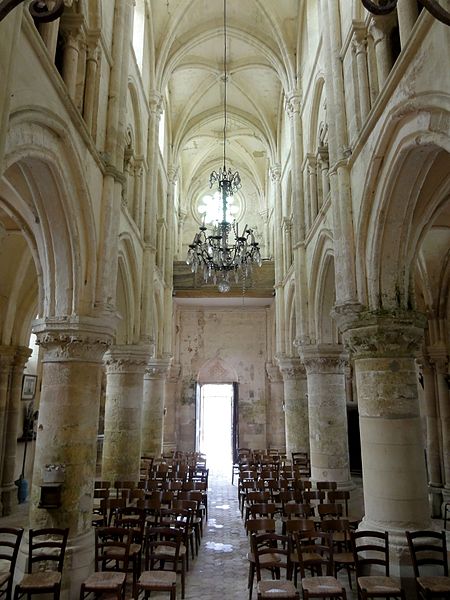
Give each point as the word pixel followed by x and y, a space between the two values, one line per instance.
pixel 216 409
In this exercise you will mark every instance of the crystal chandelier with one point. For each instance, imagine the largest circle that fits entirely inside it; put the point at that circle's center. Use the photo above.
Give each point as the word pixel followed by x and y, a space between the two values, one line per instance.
pixel 223 253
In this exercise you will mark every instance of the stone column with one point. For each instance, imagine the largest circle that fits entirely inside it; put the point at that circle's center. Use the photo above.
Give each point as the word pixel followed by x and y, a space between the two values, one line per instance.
pixel 125 367
pixel 170 423
pixel 327 408
pixel 16 356
pixel 360 49
pixel 430 412
pixel 276 429
pixel 407 14
pixel 91 85
pixel 394 475
pixel 295 404
pixel 70 62
pixel 380 28
pixel 312 187
pixel 439 360
pixel 275 175
pixel 72 351
pixel 153 406
pixel 323 165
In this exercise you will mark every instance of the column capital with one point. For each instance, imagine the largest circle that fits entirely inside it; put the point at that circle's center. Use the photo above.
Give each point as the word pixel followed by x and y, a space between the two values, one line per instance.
pixel 7 356
pixel 291 367
pixel 293 103
pixel 74 338
pixel 275 172
pixel 438 356
pixel 156 103
pixel 157 368
pixel 273 372
pixel 396 333
pixel 324 358
pixel 127 359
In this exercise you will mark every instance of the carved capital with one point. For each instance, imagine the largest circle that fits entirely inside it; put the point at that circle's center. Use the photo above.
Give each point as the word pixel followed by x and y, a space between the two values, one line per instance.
pixel 273 373
pixel 157 368
pixel 73 338
pixel 275 172
pixel 156 104
pixel 380 333
pixel 291 368
pixel 126 359
pixel 324 358
pixel 438 357
pixel 293 104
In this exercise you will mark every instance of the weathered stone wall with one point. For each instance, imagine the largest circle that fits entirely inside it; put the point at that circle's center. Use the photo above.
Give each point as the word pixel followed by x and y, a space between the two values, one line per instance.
pixel 239 339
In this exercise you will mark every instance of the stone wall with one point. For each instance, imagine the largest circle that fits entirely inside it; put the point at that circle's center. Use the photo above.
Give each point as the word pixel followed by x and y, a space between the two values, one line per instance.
pixel 238 339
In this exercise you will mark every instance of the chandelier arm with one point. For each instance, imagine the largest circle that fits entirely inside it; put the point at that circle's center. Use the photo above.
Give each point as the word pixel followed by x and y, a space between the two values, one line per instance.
pixel 377 9
pixel 437 10
pixel 38 9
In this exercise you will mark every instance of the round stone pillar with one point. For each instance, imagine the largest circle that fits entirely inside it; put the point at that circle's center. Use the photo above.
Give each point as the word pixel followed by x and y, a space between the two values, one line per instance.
pixel 153 405
pixel 125 367
pixel 11 384
pixel 327 408
pixel 295 405
pixel 276 430
pixel 394 475
pixel 72 352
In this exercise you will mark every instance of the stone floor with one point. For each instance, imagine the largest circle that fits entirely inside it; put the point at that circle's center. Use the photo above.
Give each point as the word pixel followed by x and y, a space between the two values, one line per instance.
pixel 220 570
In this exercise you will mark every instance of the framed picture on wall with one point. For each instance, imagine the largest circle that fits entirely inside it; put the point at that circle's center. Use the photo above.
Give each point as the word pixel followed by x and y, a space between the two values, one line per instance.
pixel 29 387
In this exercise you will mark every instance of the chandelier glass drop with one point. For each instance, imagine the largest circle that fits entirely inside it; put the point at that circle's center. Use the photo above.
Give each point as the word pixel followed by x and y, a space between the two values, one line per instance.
pixel 223 254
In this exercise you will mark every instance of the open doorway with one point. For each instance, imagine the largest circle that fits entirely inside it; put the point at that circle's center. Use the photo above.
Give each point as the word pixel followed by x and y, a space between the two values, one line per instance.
pixel 215 426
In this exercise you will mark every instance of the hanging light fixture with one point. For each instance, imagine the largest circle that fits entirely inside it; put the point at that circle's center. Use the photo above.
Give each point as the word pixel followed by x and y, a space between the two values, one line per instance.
pixel 224 253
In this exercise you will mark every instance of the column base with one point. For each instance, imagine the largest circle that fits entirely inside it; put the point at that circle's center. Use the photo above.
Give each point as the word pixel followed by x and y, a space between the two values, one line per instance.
pixel 78 563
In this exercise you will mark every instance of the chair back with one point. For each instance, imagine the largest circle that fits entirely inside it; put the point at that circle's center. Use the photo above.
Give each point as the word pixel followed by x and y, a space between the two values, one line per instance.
pixel 297 509
pixel 315 552
pixel 330 511
pixel 370 548
pixel 112 549
pixel 260 526
pixel 341 496
pixel 316 495
pixel 162 548
pixel 271 551
pixel 262 509
pixel 47 545
pixel 428 548
pixel 326 485
pixel 10 538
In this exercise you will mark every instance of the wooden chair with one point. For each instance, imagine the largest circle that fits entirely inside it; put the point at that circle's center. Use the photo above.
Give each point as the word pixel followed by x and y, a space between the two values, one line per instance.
pixel 272 553
pixel 112 549
pixel 262 509
pixel 322 583
pixel 429 549
pixel 252 527
pixel 163 549
pixel 342 549
pixel 330 511
pixel 295 511
pixel 371 549
pixel 132 519
pixel 326 485
pixel 47 547
pixel 340 496
pixel 10 538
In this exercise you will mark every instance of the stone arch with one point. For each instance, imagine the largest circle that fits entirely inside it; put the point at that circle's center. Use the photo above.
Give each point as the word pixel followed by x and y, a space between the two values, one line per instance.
pixel 128 292
pixel 322 291
pixel 43 191
pixel 216 370
pixel 407 188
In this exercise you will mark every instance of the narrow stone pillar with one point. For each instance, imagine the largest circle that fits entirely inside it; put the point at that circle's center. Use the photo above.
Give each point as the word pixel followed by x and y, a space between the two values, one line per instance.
pixel 407 14
pixel 91 87
pixel 312 187
pixel 70 62
pixel 153 406
pixel 394 474
pixel 360 49
pixel 276 428
pixel 295 404
pixel 327 408
pixel 72 351
pixel 380 28
pixel 433 435
pixel 170 418
pixel 11 420
pixel 125 367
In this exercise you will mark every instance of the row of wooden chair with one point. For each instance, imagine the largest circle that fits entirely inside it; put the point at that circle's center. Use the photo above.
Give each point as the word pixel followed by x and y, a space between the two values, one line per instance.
pixel 300 551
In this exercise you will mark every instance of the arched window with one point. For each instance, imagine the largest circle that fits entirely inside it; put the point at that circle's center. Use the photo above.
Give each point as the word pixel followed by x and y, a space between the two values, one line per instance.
pixel 138 32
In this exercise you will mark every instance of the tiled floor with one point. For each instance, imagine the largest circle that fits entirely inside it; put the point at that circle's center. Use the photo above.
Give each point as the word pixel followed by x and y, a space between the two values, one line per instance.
pixel 220 570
